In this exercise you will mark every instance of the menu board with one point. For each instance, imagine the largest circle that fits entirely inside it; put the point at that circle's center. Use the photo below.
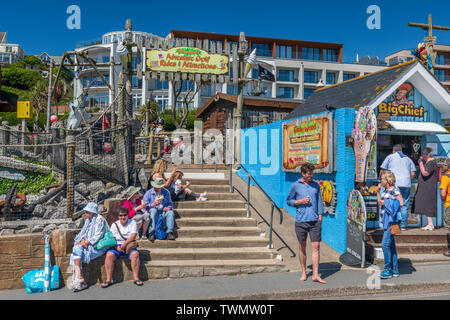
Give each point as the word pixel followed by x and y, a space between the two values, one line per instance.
pixel 356 220
pixel 306 142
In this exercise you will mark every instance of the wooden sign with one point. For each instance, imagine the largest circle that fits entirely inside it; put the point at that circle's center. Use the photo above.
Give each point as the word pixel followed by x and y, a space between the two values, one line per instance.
pixel 306 142
pixel 187 60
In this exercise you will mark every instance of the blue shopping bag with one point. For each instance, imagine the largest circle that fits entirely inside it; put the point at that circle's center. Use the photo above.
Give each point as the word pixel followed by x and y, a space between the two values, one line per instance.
pixel 34 279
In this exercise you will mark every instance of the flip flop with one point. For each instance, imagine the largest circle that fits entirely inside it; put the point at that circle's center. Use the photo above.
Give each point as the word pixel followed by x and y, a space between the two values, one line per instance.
pixel 138 283
pixel 106 284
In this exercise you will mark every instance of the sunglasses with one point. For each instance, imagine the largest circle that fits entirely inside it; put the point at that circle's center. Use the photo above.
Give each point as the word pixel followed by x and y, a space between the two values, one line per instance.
pixel 123 215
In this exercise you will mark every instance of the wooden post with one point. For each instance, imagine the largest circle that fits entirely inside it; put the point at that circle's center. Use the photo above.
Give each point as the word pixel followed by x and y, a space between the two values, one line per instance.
pixel 150 148
pixel 70 139
pixel 431 41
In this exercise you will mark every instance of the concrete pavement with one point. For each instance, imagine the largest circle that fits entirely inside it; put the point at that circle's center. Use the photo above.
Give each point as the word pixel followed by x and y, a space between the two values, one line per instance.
pixel 271 286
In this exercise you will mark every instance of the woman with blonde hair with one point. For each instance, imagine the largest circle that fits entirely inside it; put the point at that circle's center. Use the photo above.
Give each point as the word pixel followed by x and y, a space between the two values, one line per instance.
pixel 390 201
pixel 159 168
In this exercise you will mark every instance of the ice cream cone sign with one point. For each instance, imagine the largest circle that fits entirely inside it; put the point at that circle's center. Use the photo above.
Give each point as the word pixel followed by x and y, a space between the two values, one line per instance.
pixel 363 134
pixel 251 61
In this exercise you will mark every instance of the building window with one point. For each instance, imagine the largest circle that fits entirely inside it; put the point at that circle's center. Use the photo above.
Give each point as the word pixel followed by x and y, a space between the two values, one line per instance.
pixel 230 45
pixel 286 75
pixel 216 42
pixel 232 89
pixel 285 92
pixel 311 53
pixel 162 85
pixel 440 59
pixel 100 100
pixel 311 77
pixel 348 76
pixel 163 102
pixel 307 92
pixel 440 74
pixel 210 90
pixel 262 49
pixel 331 78
pixel 284 52
pixel 330 55
pixel 137 101
pixel 135 83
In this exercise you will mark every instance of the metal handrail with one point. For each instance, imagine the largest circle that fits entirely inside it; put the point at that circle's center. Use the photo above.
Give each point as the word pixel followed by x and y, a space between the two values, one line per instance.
pixel 250 177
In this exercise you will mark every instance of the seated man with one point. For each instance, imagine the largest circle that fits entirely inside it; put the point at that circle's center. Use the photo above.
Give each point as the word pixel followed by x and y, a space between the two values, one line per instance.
pixel 159 202
pixel 125 232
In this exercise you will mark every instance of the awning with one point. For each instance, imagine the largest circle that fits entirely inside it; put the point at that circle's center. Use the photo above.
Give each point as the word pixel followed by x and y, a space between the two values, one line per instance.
pixel 417 126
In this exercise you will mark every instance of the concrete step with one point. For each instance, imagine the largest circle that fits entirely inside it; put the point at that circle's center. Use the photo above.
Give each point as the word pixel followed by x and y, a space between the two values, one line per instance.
pixel 210 188
pixel 412 236
pixel 199 254
pixel 206 242
pixel 201 182
pixel 218 232
pixel 222 196
pixel 216 222
pixel 194 268
pixel 193 212
pixel 211 204
pixel 417 248
pixel 416 258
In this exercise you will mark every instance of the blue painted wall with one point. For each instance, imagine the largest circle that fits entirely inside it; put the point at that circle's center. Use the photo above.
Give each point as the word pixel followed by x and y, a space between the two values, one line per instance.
pixel 256 149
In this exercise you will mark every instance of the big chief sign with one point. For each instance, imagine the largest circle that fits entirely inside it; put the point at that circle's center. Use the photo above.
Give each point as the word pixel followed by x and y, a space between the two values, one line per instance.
pixel 186 59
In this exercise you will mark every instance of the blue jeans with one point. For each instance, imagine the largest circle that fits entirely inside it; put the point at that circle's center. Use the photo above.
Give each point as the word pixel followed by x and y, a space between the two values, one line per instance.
pixel 390 252
pixel 168 216
pixel 406 192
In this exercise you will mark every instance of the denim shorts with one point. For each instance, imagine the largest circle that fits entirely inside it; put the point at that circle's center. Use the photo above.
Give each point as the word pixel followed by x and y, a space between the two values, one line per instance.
pixel 121 254
pixel 314 228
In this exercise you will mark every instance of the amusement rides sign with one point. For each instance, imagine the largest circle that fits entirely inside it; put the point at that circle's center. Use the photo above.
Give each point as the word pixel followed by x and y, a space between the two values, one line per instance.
pixel 188 60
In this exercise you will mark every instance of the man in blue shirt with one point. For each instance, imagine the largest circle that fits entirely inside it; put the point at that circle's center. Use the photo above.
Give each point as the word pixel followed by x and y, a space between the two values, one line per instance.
pixel 404 170
pixel 305 196
pixel 158 201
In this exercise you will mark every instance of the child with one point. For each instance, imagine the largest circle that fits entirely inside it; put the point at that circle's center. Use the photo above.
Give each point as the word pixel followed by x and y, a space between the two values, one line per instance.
pixel 179 191
pixel 389 214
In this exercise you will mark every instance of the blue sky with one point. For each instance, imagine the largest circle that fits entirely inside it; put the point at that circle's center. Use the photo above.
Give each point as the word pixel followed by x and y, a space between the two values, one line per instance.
pixel 41 25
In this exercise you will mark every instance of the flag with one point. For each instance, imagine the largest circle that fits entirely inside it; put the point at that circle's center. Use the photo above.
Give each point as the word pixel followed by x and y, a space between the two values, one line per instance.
pixel 265 74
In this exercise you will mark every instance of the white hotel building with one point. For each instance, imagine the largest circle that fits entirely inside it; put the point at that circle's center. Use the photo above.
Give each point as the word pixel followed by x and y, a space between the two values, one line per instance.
pixel 298 66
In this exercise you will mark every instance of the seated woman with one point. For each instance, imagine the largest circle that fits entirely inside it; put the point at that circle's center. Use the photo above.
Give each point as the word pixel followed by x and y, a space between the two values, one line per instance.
pixel 125 232
pixel 84 249
pixel 159 168
pixel 179 192
pixel 137 211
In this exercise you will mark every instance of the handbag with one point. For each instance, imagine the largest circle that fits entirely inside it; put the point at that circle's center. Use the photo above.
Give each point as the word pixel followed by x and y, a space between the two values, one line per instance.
pixel 395 229
pixel 106 242
pixel 131 246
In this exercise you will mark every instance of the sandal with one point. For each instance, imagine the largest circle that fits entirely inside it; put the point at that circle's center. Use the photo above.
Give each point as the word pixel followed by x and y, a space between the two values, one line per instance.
pixel 138 283
pixel 106 284
pixel 427 228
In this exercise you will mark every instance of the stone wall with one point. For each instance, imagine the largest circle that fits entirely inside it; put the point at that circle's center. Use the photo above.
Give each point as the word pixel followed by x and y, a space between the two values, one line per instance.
pixel 22 253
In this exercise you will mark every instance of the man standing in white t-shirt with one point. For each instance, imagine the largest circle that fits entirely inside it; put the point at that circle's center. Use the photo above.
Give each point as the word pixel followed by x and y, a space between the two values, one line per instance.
pixel 125 232
pixel 404 170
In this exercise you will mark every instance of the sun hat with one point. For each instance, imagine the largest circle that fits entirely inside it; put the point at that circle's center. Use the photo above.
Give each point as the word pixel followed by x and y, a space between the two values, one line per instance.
pixel 91 207
pixel 131 191
pixel 158 183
